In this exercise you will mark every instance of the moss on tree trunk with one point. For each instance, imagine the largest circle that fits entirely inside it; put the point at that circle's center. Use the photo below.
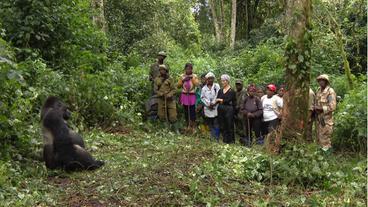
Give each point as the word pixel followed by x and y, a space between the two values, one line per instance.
pixel 297 72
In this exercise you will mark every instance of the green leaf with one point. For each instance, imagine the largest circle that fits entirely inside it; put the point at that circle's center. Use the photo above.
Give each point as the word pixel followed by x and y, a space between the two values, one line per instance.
pixel 300 58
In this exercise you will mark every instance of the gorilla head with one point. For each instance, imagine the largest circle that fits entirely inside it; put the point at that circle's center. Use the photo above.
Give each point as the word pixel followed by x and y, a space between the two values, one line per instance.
pixel 63 148
pixel 52 102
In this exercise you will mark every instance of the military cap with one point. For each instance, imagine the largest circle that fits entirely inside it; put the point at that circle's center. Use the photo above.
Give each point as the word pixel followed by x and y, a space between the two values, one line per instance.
pixel 162 53
pixel 323 77
pixel 239 82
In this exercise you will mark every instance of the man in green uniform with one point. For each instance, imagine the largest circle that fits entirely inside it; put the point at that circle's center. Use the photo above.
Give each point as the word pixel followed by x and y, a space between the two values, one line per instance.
pixel 165 88
pixel 325 104
pixel 151 104
pixel 241 94
pixel 154 70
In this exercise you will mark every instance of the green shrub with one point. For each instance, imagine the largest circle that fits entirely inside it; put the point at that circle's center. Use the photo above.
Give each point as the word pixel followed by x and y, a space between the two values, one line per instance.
pixel 60 32
pixel 260 65
pixel 350 131
pixel 301 166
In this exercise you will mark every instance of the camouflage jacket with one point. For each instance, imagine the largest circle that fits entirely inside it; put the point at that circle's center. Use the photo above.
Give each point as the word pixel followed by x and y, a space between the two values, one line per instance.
pixel 164 87
pixel 155 71
pixel 327 100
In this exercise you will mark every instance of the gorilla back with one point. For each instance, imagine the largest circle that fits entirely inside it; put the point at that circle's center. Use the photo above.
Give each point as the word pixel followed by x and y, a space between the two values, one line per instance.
pixel 63 148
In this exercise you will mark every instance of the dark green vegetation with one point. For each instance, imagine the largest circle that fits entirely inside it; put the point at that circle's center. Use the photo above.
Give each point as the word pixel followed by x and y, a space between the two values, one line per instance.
pixel 100 68
pixel 160 168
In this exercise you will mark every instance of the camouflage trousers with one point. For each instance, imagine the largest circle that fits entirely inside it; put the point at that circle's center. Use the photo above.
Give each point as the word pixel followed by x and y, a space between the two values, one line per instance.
pixel 239 125
pixel 168 111
pixel 324 134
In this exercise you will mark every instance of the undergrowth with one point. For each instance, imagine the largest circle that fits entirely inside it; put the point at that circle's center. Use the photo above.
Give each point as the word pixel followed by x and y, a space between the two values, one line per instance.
pixel 160 168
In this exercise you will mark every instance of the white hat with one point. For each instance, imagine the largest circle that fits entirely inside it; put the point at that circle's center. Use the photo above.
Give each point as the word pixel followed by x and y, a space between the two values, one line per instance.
pixel 210 75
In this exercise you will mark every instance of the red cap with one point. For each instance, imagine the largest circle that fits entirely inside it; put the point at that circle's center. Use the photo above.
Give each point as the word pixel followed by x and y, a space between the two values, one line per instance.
pixel 272 87
pixel 252 88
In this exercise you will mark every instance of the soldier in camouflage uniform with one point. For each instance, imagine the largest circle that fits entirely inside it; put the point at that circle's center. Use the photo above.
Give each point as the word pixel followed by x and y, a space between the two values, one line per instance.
pixel 155 69
pixel 325 104
pixel 241 94
pixel 165 89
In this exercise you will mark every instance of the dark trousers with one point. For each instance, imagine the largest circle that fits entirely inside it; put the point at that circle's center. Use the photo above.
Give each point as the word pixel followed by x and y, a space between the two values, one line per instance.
pixel 212 123
pixel 239 124
pixel 269 126
pixel 253 125
pixel 226 123
pixel 189 112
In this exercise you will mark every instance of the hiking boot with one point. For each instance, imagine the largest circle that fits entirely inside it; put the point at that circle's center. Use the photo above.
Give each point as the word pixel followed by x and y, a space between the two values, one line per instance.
pixel 175 128
pixel 260 141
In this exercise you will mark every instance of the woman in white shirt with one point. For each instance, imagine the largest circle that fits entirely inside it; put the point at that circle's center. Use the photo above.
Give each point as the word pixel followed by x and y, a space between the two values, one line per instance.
pixel 272 105
pixel 208 97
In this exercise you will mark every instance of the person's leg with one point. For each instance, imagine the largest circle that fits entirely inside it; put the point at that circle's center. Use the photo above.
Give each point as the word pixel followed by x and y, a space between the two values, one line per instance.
pixel 225 123
pixel 247 137
pixel 264 128
pixel 161 110
pixel 230 125
pixel 256 127
pixel 192 116
pixel 309 132
pixel 324 136
pixel 186 115
pixel 221 121
pixel 172 115
pixel 210 124
pixel 217 128
pixel 171 105
pixel 238 126
pixel 272 125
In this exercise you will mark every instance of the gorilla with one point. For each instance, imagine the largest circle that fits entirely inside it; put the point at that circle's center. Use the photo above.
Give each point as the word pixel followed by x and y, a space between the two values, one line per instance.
pixel 62 147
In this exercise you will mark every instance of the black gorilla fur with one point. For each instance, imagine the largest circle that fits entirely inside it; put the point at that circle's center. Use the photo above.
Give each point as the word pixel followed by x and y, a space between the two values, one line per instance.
pixel 63 148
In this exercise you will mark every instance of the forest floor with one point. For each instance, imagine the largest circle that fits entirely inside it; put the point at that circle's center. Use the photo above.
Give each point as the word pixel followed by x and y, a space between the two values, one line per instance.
pixel 162 169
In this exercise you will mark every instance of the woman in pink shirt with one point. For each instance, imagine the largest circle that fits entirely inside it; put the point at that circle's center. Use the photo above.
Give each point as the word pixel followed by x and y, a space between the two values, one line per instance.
pixel 188 83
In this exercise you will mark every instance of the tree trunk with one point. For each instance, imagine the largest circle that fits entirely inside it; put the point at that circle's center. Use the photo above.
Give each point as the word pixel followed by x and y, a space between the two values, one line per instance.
pixel 99 18
pixel 233 24
pixel 222 18
pixel 340 44
pixel 215 21
pixel 242 20
pixel 297 54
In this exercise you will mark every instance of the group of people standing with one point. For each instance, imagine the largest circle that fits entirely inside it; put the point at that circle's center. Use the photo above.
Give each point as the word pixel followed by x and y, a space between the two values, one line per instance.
pixel 226 111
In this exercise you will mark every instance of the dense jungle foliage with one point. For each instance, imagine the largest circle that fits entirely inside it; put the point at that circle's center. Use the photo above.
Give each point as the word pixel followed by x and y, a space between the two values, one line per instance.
pixel 96 56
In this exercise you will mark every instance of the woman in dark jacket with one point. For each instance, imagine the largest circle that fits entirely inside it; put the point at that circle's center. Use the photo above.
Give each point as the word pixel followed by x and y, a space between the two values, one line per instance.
pixel 226 99
pixel 252 111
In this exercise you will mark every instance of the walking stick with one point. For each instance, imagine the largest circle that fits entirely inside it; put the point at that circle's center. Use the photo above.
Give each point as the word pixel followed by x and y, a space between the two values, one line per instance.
pixel 248 128
pixel 188 110
pixel 166 111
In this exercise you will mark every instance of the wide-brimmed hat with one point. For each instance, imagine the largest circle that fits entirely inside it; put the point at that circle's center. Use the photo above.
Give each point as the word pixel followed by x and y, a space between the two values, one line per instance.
pixel 323 77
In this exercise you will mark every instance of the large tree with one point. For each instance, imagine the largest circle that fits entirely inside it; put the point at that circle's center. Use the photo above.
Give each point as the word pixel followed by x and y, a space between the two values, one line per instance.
pixel 233 24
pixel 218 20
pixel 297 57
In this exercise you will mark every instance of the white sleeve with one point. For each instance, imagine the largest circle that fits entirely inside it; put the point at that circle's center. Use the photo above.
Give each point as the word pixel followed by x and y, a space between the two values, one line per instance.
pixel 280 102
pixel 262 98
pixel 204 99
